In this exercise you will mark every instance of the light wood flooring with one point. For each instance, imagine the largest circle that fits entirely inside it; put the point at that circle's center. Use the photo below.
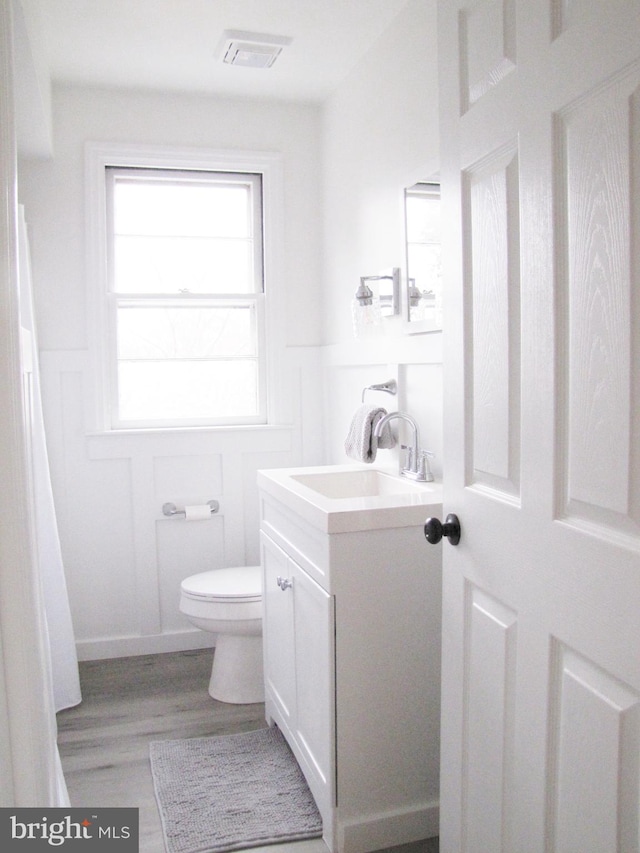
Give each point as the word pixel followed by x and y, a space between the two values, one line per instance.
pixel 128 702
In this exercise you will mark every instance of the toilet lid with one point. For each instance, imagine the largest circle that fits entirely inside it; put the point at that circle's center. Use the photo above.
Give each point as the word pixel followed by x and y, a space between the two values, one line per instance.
pixel 241 584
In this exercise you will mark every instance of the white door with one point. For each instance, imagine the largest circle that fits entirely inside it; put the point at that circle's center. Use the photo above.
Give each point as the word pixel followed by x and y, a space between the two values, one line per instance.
pixel 540 163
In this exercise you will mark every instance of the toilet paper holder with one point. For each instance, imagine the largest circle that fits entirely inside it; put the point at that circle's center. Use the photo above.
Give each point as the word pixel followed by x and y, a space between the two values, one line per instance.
pixel 171 511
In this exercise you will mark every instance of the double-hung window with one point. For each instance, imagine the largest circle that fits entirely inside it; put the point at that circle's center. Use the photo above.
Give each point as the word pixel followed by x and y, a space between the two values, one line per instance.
pixel 185 297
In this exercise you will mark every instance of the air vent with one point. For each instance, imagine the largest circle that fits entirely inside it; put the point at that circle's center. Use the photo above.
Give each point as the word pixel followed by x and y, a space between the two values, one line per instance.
pixel 250 50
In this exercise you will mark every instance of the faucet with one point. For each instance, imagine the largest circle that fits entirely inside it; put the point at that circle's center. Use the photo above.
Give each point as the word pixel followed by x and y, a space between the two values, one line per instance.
pixel 416 464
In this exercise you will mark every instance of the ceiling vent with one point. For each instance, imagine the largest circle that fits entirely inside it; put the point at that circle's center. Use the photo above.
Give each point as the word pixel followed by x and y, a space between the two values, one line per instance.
pixel 250 50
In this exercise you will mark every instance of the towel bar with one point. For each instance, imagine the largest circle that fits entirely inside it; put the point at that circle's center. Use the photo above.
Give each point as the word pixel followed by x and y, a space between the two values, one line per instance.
pixel 389 387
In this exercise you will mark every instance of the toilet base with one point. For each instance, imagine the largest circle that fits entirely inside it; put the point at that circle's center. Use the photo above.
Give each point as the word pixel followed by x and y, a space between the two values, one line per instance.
pixel 237 671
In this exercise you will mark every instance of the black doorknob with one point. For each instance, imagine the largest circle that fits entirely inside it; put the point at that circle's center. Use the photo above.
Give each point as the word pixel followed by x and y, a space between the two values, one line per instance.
pixel 434 529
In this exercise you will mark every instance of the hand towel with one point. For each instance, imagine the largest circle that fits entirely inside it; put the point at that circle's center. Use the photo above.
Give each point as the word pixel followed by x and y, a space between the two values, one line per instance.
pixel 361 443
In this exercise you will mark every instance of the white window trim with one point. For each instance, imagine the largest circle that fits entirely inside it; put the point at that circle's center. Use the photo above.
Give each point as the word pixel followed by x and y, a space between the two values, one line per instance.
pixel 268 164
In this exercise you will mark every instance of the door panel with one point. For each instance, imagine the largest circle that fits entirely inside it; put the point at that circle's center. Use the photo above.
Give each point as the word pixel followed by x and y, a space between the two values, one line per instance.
pixel 488 38
pixel 540 177
pixel 491 635
pixel 597 402
pixel 490 218
pixel 592 709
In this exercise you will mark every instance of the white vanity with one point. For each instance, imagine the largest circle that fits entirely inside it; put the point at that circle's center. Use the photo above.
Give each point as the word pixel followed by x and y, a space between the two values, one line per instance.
pixel 351 624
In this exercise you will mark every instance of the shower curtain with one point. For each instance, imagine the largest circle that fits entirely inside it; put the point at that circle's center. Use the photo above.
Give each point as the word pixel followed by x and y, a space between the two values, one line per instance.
pixel 64 661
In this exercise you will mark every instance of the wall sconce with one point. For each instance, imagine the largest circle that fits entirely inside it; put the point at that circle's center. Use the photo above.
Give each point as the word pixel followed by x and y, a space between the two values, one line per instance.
pixel 414 294
pixel 368 307
pixel 422 304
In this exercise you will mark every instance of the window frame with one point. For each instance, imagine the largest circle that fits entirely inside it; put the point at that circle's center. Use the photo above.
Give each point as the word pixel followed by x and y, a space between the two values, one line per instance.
pixel 101 156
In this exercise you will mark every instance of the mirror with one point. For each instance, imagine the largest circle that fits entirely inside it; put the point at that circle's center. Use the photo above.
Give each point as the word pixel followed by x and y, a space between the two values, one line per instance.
pixel 423 304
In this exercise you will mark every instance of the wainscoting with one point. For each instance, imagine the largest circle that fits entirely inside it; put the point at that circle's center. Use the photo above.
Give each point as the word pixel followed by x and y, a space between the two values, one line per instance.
pixel 123 558
pixel 128 702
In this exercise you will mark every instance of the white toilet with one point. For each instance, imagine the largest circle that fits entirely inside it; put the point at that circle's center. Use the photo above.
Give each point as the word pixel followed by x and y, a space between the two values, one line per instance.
pixel 228 602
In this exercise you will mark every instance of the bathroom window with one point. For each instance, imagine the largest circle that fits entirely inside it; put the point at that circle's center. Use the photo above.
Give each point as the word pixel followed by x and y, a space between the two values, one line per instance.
pixel 185 295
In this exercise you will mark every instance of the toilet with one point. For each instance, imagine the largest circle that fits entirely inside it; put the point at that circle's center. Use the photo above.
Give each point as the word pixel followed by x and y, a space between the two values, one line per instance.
pixel 228 602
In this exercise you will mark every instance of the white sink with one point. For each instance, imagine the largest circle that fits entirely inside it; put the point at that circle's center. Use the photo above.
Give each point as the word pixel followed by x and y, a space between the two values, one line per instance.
pixel 343 498
pixel 363 483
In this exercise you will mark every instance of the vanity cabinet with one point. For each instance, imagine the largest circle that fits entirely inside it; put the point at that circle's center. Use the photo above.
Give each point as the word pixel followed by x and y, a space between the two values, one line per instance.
pixel 299 677
pixel 351 631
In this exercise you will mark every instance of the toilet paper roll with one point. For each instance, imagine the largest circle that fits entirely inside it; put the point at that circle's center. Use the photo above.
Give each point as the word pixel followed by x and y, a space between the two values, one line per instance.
pixel 197 513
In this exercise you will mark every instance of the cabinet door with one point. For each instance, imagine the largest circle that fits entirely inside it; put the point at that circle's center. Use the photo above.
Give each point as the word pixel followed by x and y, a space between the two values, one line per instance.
pixel 315 679
pixel 279 670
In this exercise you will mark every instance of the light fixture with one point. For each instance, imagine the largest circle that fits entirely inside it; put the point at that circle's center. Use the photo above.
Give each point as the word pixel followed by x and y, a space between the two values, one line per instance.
pixel 422 303
pixel 414 294
pixel 250 50
pixel 368 308
pixel 365 310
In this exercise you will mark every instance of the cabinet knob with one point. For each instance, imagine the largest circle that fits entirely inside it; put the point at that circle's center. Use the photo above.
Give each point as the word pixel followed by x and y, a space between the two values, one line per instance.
pixel 284 583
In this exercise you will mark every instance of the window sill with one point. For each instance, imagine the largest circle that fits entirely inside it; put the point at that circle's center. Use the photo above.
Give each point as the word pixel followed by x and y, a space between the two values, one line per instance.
pixel 190 441
pixel 175 431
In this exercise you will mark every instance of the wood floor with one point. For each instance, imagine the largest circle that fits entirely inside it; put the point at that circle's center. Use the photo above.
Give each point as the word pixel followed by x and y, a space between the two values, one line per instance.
pixel 128 702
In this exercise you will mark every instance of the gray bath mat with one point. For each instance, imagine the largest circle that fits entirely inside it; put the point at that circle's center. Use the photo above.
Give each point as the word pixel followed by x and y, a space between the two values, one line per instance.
pixel 231 792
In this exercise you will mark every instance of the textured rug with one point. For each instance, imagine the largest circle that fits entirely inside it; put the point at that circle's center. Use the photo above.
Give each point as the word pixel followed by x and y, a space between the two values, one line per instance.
pixel 231 792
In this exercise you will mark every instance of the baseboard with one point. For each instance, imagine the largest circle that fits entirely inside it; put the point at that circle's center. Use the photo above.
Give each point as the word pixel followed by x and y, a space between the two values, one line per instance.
pixel 389 829
pixel 124 647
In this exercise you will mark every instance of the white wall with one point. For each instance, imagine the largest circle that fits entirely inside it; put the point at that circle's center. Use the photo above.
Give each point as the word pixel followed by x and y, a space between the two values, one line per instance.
pixel 380 134
pixel 32 88
pixel 124 560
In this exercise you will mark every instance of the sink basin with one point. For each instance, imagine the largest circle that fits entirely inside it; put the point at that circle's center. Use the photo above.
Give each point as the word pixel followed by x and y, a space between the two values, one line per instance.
pixel 357 484
pixel 344 498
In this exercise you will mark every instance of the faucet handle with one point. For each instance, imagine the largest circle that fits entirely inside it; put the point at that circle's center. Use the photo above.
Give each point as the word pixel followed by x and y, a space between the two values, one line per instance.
pixel 408 459
pixel 424 467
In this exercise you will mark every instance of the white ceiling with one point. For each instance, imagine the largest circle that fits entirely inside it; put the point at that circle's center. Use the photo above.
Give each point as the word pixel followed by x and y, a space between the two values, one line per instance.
pixel 170 44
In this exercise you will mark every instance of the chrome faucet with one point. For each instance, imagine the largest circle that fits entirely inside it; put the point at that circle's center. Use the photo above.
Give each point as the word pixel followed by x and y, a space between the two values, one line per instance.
pixel 416 463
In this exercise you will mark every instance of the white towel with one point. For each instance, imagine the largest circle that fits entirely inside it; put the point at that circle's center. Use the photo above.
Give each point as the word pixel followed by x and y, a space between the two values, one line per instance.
pixel 361 443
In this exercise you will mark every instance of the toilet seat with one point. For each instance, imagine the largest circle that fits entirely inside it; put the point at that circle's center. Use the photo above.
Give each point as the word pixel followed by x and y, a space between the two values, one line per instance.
pixel 239 585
